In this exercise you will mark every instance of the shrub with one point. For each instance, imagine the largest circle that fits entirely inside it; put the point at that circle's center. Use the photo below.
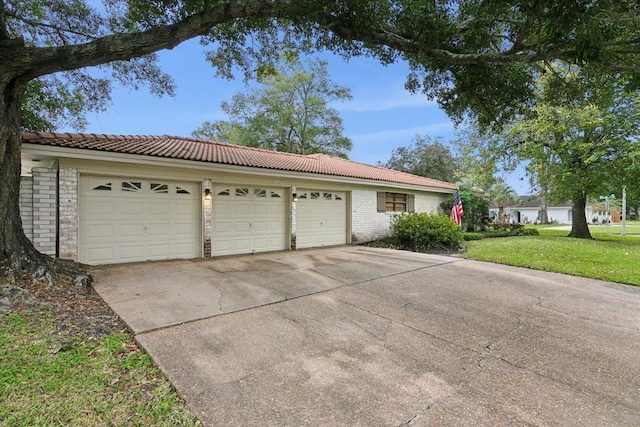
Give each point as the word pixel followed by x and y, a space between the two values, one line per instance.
pixel 472 236
pixel 476 210
pixel 530 232
pixel 508 233
pixel 490 234
pixel 422 231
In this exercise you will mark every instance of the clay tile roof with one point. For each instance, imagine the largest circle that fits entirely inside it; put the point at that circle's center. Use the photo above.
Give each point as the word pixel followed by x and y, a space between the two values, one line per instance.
pixel 214 152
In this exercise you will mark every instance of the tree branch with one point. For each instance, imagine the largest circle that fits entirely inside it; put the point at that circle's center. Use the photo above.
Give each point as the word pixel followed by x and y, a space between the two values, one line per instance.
pixel 59 30
pixel 39 61
pixel 4 34
pixel 33 62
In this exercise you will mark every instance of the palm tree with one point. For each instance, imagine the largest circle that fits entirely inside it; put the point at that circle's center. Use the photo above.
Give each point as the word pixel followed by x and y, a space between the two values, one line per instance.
pixel 502 195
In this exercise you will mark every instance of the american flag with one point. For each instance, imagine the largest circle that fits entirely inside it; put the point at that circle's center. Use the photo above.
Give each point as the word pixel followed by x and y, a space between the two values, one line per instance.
pixel 457 212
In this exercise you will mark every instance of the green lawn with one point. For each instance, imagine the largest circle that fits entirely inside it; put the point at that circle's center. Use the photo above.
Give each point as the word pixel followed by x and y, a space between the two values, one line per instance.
pixel 108 381
pixel 608 257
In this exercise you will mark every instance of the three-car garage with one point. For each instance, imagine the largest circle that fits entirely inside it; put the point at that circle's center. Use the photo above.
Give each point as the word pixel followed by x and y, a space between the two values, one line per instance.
pixel 123 219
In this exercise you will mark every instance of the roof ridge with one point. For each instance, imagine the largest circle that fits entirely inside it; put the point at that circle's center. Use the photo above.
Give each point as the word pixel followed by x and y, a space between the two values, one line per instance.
pixel 83 135
pixel 244 147
pixel 393 170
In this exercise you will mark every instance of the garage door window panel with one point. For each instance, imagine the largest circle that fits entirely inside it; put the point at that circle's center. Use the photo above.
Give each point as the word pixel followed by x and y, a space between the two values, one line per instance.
pixel 103 187
pixel 133 187
pixel 159 188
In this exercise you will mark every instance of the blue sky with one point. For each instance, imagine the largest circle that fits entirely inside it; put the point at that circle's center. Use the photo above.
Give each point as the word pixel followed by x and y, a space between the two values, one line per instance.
pixel 382 115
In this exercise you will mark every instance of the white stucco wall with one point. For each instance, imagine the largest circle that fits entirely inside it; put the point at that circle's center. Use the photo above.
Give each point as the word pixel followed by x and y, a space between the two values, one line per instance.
pixel 560 215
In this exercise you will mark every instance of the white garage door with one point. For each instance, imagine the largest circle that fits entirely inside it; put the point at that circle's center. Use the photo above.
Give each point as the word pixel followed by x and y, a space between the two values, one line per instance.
pixel 248 220
pixel 321 218
pixel 126 220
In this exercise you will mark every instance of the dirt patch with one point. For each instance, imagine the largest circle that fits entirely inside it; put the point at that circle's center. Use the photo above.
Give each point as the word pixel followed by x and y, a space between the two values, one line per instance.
pixel 74 307
pixel 393 244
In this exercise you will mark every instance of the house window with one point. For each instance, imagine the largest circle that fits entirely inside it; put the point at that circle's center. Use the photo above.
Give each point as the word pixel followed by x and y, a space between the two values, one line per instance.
pixel 396 202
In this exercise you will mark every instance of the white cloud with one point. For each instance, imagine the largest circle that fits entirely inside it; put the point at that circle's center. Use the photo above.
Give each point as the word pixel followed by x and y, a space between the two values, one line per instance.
pixel 386 100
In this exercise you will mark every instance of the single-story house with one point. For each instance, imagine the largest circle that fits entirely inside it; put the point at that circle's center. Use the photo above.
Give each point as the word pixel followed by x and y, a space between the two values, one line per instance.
pixel 101 199
pixel 527 210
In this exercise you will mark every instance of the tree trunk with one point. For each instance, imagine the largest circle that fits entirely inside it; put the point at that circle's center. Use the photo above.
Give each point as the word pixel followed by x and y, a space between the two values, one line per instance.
pixel 15 248
pixel 544 211
pixel 17 253
pixel 579 225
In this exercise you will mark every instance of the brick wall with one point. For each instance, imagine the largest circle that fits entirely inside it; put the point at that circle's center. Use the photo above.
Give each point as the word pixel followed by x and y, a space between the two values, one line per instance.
pixel 293 219
pixel 207 217
pixel 44 209
pixel 26 205
pixel 68 217
pixel 368 224
pixel 430 203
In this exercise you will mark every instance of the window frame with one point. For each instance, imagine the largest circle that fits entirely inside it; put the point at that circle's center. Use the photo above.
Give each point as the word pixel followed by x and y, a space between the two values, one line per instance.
pixel 395 202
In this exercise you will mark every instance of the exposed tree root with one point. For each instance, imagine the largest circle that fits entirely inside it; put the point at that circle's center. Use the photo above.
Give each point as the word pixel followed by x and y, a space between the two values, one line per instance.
pixel 37 267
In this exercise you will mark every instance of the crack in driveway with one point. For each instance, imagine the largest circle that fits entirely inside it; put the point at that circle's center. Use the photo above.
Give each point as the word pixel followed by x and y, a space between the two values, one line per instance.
pixel 488 354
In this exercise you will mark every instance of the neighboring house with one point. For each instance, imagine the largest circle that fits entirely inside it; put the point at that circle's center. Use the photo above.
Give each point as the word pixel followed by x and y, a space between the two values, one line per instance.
pixel 104 199
pixel 527 210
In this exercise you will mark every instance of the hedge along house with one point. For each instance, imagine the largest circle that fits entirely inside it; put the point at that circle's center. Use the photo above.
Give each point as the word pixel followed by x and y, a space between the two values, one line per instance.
pixel 101 199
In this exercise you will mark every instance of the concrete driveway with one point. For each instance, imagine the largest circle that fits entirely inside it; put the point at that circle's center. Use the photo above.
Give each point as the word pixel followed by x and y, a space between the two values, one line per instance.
pixel 373 337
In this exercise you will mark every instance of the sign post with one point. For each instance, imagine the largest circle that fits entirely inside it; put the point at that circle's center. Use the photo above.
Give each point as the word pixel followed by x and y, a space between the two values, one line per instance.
pixel 624 211
pixel 606 208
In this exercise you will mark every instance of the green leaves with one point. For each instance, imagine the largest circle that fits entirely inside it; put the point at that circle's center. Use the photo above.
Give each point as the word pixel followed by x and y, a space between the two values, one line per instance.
pixel 426 231
pixel 424 157
pixel 478 59
pixel 289 111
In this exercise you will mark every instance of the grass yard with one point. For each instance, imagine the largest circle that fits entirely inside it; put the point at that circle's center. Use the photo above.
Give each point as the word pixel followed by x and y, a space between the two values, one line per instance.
pixel 608 257
pixel 106 381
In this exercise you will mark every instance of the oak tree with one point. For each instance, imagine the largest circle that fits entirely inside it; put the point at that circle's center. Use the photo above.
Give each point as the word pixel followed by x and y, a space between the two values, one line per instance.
pixel 425 157
pixel 290 111
pixel 580 140
pixel 474 57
